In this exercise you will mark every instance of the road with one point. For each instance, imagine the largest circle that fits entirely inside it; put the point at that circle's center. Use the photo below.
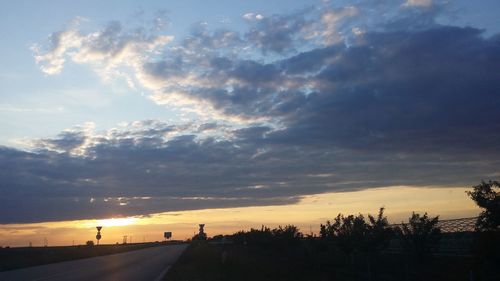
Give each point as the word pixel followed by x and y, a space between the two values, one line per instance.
pixel 148 264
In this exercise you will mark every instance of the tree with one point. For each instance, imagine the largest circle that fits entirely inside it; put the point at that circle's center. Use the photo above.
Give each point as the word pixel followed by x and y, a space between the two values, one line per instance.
pixel 378 236
pixel 280 237
pixel 289 233
pixel 487 196
pixel 347 231
pixel 353 232
pixel 487 243
pixel 379 233
pixel 261 237
pixel 199 237
pixel 421 235
pixel 329 230
pixel 89 243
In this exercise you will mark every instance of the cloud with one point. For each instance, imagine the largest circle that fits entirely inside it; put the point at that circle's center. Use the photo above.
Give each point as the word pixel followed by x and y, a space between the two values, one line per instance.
pixel 324 99
pixel 204 66
pixel 253 16
pixel 72 141
pixel 107 49
pixel 151 166
pixel 390 91
pixel 418 3
pixel 330 20
pixel 277 33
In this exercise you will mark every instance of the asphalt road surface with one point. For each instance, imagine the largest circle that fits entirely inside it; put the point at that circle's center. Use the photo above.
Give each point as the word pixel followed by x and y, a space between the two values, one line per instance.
pixel 148 264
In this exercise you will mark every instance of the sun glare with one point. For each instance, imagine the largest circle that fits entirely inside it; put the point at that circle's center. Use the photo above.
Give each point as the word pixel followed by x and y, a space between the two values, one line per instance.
pixel 117 221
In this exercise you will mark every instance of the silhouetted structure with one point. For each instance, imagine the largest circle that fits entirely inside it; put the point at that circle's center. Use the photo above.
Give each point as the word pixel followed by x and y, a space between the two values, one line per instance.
pixel 201 233
pixel 167 235
pixel 98 236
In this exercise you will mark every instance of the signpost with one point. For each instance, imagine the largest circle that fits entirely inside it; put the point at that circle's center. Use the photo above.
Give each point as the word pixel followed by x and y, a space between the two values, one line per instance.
pixel 98 236
pixel 167 235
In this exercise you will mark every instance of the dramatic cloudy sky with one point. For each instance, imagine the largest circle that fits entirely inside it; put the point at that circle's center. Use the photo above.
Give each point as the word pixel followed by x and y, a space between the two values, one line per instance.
pixel 115 108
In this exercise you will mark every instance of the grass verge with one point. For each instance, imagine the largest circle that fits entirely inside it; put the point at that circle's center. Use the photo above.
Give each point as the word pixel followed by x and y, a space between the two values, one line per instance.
pixel 16 258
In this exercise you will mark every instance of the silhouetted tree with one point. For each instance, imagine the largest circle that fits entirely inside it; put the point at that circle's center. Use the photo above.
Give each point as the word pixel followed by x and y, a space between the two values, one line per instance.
pixel 262 237
pixel 329 230
pixel 487 242
pixel 377 239
pixel 348 232
pixel 286 236
pixel 89 243
pixel 289 232
pixel 421 235
pixel 487 196
pixel 199 237
pixel 278 237
pixel 352 233
pixel 218 237
pixel 379 233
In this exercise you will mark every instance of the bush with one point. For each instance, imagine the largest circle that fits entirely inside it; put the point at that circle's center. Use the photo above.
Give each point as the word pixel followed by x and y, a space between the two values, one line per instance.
pixel 421 235
pixel 352 233
pixel 379 233
pixel 265 237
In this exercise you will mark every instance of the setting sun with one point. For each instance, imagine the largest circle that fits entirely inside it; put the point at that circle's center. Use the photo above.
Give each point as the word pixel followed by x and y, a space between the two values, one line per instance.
pixel 116 222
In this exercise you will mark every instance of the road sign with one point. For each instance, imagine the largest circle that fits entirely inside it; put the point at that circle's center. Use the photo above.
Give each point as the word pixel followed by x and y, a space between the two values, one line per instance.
pixel 98 236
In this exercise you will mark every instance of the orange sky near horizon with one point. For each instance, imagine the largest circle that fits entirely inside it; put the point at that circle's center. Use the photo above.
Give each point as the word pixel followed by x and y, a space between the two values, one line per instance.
pixel 308 214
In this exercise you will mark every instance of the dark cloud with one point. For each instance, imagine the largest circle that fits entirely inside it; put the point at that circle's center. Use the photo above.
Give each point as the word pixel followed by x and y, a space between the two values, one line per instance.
pixel 257 166
pixel 278 33
pixel 401 101
pixel 65 142
pixel 435 89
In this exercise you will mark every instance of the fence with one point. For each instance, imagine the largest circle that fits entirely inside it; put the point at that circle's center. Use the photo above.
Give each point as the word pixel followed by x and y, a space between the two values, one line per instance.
pixel 457 238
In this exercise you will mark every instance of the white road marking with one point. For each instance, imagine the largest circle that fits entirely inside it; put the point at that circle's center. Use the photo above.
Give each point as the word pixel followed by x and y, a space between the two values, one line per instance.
pixel 162 274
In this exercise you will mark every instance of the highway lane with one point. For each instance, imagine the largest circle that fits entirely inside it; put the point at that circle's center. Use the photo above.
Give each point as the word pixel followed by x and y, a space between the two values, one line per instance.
pixel 148 264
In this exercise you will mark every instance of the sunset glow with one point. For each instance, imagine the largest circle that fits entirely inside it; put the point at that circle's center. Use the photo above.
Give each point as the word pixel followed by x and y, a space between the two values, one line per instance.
pixel 152 116
pixel 114 222
pixel 307 214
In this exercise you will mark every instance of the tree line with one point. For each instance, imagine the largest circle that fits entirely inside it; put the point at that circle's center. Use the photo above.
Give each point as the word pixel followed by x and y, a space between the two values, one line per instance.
pixel 356 239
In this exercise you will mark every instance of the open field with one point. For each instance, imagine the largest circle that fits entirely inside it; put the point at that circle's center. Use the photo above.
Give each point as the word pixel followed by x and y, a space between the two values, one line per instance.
pixel 15 258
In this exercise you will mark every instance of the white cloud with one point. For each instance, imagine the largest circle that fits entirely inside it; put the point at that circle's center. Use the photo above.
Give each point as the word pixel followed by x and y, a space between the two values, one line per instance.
pixel 418 3
pixel 330 19
pixel 253 16
pixel 107 50
pixel 52 62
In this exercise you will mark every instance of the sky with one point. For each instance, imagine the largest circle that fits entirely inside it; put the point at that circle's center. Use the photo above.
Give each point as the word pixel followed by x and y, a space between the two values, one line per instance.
pixel 146 112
